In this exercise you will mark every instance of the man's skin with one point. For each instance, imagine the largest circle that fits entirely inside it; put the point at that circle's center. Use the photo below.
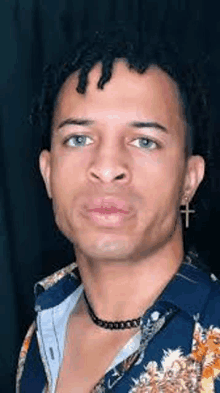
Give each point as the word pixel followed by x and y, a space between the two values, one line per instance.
pixel 124 269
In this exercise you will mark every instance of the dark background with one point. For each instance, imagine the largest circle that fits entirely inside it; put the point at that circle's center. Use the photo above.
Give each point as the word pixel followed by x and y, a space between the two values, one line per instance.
pixel 32 32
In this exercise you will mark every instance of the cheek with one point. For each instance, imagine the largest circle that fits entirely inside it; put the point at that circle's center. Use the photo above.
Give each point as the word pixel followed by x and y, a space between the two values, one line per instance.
pixel 67 177
pixel 160 181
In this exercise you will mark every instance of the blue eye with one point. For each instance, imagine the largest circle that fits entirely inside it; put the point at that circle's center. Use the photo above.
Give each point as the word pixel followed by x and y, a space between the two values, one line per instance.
pixel 79 139
pixel 147 143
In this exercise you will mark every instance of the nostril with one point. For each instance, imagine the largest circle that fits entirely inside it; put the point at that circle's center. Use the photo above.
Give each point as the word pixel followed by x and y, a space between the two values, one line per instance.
pixel 95 176
pixel 120 176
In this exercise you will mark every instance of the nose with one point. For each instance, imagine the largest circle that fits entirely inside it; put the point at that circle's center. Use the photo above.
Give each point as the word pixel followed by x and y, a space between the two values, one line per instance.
pixel 110 168
pixel 107 176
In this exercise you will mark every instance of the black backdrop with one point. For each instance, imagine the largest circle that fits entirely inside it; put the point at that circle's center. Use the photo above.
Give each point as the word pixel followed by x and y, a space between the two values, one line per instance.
pixel 33 32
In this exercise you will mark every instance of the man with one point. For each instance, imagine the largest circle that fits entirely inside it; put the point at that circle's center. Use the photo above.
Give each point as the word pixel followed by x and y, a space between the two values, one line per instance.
pixel 134 314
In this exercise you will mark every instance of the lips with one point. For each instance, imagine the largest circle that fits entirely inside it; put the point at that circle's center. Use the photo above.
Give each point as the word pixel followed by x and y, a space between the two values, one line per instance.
pixel 109 206
pixel 108 212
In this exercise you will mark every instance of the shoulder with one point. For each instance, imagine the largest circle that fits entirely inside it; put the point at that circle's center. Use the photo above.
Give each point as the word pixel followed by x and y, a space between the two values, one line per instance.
pixel 203 289
pixel 210 315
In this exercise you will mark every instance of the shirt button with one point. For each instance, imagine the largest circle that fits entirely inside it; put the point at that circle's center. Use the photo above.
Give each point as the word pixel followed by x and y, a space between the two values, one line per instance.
pixel 155 315
pixel 213 277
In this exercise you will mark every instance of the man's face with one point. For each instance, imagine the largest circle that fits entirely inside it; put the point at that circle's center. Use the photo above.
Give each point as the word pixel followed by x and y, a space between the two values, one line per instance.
pixel 119 155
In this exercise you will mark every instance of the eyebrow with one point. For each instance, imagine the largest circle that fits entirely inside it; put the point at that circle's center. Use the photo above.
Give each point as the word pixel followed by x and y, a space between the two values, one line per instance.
pixel 148 124
pixel 76 122
pixel 89 122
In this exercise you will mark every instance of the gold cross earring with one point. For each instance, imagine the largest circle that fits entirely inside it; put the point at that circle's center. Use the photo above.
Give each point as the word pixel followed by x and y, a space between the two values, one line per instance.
pixel 187 211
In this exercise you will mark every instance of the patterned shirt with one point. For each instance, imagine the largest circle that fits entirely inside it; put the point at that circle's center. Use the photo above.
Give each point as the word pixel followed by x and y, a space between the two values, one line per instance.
pixel 177 348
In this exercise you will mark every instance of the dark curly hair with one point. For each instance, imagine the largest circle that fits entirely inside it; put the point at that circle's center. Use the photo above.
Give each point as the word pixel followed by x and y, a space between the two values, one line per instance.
pixel 106 48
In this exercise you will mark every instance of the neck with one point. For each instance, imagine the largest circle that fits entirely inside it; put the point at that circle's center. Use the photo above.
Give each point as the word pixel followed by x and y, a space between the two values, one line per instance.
pixel 120 290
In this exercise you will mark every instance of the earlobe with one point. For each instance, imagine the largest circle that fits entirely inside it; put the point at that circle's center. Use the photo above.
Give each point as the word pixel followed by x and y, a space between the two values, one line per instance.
pixel 44 164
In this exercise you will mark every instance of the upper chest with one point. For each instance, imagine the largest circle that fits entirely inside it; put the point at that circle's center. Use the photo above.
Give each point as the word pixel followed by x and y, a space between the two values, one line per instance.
pixel 88 353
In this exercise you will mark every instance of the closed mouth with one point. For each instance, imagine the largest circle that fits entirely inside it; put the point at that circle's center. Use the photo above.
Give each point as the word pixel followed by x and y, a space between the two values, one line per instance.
pixel 111 210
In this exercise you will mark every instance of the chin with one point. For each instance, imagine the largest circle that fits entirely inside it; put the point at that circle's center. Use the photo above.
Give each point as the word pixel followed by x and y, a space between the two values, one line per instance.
pixel 106 248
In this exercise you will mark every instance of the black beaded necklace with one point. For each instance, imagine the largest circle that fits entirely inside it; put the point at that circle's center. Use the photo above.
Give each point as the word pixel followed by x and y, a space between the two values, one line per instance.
pixel 132 323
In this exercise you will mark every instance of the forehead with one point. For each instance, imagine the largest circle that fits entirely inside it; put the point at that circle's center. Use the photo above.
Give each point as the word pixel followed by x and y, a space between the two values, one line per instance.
pixel 152 94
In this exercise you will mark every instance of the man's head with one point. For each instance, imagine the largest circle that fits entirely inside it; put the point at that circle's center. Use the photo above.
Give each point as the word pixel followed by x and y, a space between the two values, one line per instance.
pixel 133 119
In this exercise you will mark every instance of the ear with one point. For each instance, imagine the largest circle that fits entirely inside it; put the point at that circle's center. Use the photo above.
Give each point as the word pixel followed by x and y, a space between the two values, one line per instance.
pixel 194 175
pixel 45 169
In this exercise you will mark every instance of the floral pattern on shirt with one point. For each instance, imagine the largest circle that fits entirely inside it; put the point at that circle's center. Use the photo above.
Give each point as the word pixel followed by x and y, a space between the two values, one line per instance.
pixel 23 353
pixel 51 280
pixel 153 324
pixel 99 387
pixel 194 373
pixel 178 373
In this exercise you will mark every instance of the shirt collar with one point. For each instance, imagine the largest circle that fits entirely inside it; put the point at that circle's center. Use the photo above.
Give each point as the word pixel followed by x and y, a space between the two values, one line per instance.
pixel 55 288
pixel 188 290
